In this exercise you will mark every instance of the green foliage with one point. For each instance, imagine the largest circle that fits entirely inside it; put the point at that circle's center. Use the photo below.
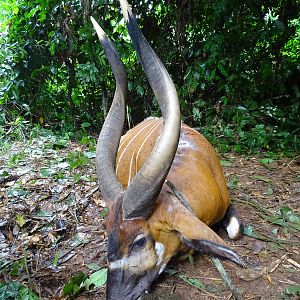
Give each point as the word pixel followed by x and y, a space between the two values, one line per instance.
pixel 188 280
pixel 242 78
pixel 287 219
pixel 73 286
pixel 293 290
pixel 13 290
pixel 103 213
pixel 81 282
pixel 192 281
pixel 17 267
pixel 77 160
pixel 290 292
pixel 284 219
pixel 235 65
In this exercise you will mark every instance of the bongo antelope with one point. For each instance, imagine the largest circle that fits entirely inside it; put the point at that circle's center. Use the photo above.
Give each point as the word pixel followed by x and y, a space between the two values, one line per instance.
pixel 162 181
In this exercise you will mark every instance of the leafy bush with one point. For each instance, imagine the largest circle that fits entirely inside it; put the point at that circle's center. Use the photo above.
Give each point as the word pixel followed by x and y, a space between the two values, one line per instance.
pixel 236 67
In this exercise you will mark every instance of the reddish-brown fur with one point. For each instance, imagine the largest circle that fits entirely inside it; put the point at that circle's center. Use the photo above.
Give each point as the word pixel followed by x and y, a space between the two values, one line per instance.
pixel 196 173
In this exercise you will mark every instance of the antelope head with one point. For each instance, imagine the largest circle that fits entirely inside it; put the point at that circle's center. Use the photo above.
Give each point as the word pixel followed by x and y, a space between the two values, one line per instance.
pixel 133 256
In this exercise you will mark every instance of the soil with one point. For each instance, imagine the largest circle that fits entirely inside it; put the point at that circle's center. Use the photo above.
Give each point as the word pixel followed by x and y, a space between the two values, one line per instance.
pixel 74 231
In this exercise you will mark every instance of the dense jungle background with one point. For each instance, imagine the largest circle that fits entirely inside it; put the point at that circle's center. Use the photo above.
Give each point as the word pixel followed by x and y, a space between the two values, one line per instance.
pixel 236 67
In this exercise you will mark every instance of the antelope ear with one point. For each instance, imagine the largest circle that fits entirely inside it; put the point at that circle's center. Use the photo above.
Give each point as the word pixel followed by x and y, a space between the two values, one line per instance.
pixel 191 228
pixel 214 249
pixel 198 236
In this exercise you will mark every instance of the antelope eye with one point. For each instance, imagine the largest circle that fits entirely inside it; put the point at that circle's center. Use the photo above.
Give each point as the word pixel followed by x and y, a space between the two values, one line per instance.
pixel 140 243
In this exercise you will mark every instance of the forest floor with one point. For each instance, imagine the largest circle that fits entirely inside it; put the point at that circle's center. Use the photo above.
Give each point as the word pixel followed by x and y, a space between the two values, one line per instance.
pixel 52 228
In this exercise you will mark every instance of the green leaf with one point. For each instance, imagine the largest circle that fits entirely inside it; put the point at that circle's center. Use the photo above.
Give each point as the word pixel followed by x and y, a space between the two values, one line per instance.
pixel 9 289
pixel 20 220
pixel 233 183
pixel 55 259
pixel 46 172
pixel 295 226
pixel 97 279
pixel 26 294
pixel 262 178
pixel 103 212
pixel 14 290
pixel 15 10
pixel 286 218
pixel 266 161
pixel 191 259
pixel 90 154
pixel 60 144
pixel 42 16
pixel 249 231
pixel 85 125
pixel 88 178
pixel 93 267
pixel 293 290
pixel 74 285
pixel 43 214
pixel 276 220
pixel 4 174
pixel 77 160
pixel 16 193
pixel 225 163
pixel 293 218
pixel 284 210
pixel 52 48
pixel 192 281
pixel 269 191
pixel 76 177
pixel 17 267
pixel 140 90
pixel 196 114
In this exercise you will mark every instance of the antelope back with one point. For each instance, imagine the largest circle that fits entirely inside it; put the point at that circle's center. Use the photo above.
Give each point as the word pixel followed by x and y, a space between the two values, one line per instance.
pixel 195 171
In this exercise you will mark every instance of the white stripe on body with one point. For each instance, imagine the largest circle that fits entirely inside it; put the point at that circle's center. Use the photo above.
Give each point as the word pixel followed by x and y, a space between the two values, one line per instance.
pixel 128 133
pixel 150 131
pixel 132 139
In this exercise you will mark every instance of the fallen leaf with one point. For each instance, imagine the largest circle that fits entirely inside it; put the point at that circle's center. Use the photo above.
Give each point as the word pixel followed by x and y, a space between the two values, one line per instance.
pixel 97 279
pixel 262 178
pixel 250 274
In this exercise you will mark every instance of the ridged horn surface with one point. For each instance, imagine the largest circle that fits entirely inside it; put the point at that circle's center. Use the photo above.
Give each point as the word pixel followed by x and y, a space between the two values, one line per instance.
pixel 109 138
pixel 146 185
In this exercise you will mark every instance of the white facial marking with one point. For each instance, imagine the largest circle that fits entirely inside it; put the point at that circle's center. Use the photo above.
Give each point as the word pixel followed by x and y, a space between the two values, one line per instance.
pixel 124 262
pixel 233 228
pixel 138 261
pixel 160 250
